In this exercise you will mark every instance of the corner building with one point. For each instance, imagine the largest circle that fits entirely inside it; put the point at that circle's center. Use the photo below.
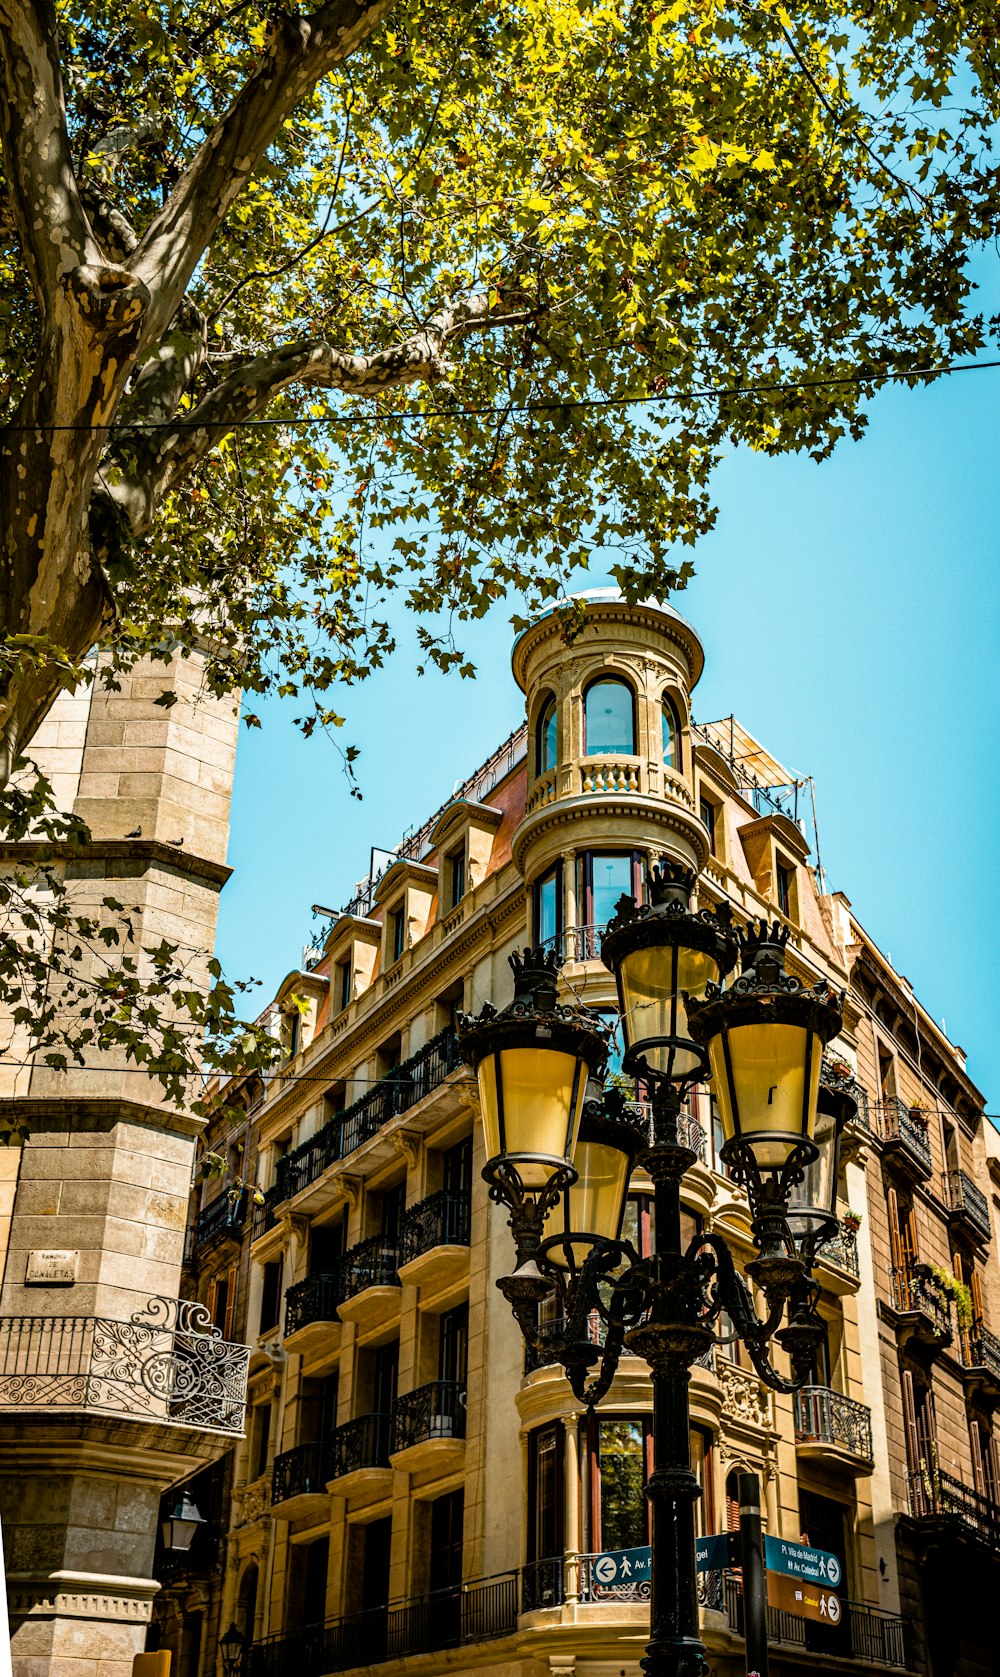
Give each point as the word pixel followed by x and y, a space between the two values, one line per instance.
pixel 415 1493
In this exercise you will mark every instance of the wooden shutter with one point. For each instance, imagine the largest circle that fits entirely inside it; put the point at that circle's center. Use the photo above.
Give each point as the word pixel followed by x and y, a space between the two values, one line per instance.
pixel 976 1289
pixel 230 1316
pixel 978 1476
pixel 895 1240
pixel 910 1418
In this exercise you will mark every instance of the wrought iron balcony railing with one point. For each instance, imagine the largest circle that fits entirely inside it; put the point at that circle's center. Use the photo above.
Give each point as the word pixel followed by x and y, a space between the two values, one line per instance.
pixel 981 1349
pixel 897 1125
pixel 440 1220
pixel 167 1363
pixel 828 1417
pixel 934 1493
pixel 363 1442
pixel 302 1471
pixel 313 1300
pixel 372 1263
pixel 459 1617
pixel 915 1292
pixel 842 1250
pixel 264 1216
pixel 436 1410
pixel 864 1633
pixel 960 1194
pixel 224 1216
pixel 405 1086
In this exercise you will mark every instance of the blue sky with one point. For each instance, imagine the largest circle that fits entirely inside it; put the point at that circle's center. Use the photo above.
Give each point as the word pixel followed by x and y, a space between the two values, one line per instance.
pixel 850 613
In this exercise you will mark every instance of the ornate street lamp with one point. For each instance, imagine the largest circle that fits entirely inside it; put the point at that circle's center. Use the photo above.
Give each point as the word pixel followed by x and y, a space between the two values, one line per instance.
pixel 231 1648
pixel 178 1529
pixel 764 1037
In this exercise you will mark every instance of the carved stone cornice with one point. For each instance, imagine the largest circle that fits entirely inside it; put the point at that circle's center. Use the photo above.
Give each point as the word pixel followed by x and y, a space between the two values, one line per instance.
pixel 408 1144
pixel 81 1595
pixel 637 806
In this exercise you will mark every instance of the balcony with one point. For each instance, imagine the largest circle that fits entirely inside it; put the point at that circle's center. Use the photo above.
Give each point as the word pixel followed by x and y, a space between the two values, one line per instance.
pixel 369 1281
pixel 470 1613
pixel 981 1364
pixel 428 1428
pixel 968 1211
pixel 404 1087
pixel 298 1482
pixel 167 1364
pixel 923 1308
pixel 434 1242
pixel 359 1457
pixel 221 1220
pixel 838 1258
pixel 311 1319
pixel 832 1428
pixel 904 1139
pixel 264 1217
pixel 955 1508
pixel 865 1634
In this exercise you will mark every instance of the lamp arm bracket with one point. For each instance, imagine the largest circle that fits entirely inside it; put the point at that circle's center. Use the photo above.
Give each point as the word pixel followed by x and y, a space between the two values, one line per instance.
pixel 732 1295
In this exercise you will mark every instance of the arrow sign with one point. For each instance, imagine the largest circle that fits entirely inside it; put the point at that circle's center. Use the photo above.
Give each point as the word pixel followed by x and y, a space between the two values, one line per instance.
pixel 809 1601
pixel 621 1566
pixel 717 1551
pixel 797 1560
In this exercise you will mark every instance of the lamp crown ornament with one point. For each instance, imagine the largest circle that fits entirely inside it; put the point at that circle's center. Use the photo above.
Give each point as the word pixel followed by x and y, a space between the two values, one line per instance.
pixel 669 885
pixel 762 946
pixel 536 973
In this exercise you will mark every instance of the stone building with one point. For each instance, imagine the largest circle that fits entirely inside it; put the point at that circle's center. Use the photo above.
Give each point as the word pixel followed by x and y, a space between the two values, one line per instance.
pixel 113 1387
pixel 412 1488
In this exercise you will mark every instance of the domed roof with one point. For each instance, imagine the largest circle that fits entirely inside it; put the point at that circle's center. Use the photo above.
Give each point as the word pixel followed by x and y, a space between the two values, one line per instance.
pixel 605 597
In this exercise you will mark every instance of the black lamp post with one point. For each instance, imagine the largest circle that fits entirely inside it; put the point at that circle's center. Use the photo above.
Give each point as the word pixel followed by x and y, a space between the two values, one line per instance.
pixel 179 1527
pixel 763 1039
pixel 231 1648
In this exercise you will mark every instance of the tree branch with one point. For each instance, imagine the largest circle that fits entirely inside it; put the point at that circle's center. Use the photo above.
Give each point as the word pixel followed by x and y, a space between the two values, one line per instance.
pixel 300 51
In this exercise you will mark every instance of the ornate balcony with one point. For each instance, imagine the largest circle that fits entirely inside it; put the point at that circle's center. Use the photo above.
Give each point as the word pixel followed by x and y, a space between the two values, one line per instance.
pixel 832 1427
pixel 838 1258
pixel 968 1211
pixel 221 1220
pixel 405 1086
pixel 428 1428
pixel 904 1139
pixel 369 1281
pixel 167 1364
pixel 264 1217
pixel 866 1634
pixel 923 1309
pixel 954 1507
pixel 311 1319
pixel 434 1241
pixel 359 1457
pixel 461 1617
pixel 981 1364
pixel 298 1482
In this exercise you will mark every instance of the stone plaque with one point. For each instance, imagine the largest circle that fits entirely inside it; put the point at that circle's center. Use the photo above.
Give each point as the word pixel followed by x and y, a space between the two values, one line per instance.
pixel 52 1269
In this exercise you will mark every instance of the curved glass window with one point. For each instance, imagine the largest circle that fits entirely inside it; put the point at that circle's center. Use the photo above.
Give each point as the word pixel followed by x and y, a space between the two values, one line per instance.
pixel 547 738
pixel 609 718
pixel 671 737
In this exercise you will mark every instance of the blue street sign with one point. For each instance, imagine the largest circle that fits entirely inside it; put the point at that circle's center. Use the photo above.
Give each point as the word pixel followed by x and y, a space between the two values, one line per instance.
pixel 716 1552
pixel 816 1566
pixel 622 1566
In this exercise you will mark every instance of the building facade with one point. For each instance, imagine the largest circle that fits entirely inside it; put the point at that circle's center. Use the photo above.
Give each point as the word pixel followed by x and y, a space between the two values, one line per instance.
pixel 114 1386
pixel 413 1488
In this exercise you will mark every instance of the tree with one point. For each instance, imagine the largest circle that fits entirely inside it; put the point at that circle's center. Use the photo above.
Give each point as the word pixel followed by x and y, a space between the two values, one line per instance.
pixel 300 308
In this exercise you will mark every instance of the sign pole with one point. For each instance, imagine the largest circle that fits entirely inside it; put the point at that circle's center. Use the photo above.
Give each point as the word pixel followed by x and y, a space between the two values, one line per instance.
pixel 754 1575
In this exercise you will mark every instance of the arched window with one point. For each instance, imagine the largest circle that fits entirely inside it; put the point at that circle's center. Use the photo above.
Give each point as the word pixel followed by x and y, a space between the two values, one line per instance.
pixel 609 718
pixel 671 736
pixel 546 737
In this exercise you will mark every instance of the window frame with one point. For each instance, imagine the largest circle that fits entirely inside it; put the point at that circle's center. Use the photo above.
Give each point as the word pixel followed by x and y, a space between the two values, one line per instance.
pixel 555 872
pixel 669 709
pixel 612 680
pixel 549 710
pixel 395 938
pixel 586 896
pixel 706 804
pixel 455 870
pixel 784 886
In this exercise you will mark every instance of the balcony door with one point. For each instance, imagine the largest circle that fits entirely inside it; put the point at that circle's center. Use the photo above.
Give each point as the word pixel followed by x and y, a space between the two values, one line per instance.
pixel 457 1169
pixel 445 1582
pixel 386 1378
pixel 823 1525
pixel 453 1345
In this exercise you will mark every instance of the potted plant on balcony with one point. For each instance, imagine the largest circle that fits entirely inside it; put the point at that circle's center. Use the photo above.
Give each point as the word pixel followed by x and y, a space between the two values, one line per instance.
pixel 851 1220
pixel 841 1068
pixel 920 1114
pixel 956 1290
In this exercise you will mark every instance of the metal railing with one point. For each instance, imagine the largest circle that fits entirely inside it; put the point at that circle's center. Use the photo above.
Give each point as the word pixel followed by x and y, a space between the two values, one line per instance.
pixel 363 1442
pixel 225 1215
pixel 981 1349
pixel 478 1611
pixel 302 1471
pixel 864 1633
pixel 167 1363
pixel 897 1123
pixel 960 1193
pixel 842 1250
pixel 436 1410
pixel 934 1493
pixel 828 1417
pixel 265 1216
pixel 440 1220
pixel 592 1591
pixel 860 1094
pixel 343 1134
pixel 372 1263
pixel 313 1300
pixel 914 1292
pixel 542 1584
